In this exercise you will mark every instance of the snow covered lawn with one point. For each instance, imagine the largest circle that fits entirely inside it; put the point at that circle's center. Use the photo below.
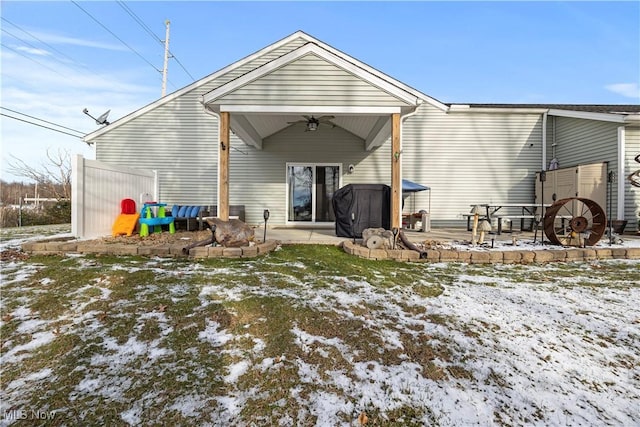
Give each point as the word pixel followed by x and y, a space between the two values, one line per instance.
pixel 309 335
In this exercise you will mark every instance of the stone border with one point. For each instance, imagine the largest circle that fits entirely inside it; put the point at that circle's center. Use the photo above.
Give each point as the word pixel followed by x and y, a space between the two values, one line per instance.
pixel 493 257
pixel 57 247
pixel 54 247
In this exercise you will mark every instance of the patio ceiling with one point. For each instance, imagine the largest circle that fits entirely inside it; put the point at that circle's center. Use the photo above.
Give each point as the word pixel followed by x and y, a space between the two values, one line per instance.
pixel 373 128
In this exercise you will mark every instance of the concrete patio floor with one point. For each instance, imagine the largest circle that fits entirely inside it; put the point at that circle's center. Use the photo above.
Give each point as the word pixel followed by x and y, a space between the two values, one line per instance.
pixel 328 235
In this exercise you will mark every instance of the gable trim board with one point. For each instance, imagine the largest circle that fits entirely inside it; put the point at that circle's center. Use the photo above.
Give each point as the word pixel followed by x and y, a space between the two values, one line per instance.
pixel 465 152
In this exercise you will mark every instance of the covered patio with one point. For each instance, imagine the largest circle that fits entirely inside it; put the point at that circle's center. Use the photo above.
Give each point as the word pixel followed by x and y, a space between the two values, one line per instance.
pixel 358 100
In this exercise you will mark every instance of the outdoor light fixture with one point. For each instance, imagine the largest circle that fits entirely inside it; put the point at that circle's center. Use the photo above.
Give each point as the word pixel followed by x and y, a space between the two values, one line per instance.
pixel 265 215
pixel 543 179
pixel 312 125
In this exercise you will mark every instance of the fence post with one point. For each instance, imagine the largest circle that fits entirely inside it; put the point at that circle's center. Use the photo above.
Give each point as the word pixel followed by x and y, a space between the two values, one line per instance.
pixel 77 196
pixel 20 213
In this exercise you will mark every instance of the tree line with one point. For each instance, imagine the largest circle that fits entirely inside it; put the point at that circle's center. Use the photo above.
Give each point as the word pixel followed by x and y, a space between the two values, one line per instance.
pixel 51 180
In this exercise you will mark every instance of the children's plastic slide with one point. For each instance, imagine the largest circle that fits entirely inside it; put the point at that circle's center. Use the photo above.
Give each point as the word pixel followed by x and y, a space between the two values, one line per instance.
pixel 126 222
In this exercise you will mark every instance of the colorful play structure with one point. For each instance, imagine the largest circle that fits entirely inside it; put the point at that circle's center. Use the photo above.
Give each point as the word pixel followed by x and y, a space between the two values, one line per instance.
pixel 126 222
pixel 147 219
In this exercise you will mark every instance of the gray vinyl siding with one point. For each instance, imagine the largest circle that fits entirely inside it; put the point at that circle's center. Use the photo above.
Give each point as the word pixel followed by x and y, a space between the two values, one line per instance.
pixel 310 80
pixel 632 194
pixel 469 158
pixel 178 140
pixel 258 177
pixel 581 141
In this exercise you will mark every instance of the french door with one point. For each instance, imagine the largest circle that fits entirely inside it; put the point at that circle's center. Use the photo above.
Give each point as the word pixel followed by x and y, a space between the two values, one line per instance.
pixel 310 189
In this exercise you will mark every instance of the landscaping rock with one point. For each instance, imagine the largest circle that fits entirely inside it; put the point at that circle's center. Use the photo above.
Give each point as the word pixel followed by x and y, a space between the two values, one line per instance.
pixel 231 234
pixel 377 238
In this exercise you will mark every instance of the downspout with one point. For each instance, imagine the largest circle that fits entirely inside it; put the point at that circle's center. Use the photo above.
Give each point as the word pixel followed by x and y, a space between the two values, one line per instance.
pixel 621 172
pixel 217 116
pixel 402 119
pixel 544 140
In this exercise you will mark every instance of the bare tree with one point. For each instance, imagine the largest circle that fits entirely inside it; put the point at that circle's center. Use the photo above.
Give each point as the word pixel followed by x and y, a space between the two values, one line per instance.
pixel 54 176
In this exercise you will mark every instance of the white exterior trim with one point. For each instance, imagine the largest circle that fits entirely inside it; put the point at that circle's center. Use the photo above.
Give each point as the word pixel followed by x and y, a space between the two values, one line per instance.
pixel 633 119
pixel 379 134
pixel 299 109
pixel 465 108
pixel 603 117
pixel 194 85
pixel 308 49
pixel 621 172
pixel 241 127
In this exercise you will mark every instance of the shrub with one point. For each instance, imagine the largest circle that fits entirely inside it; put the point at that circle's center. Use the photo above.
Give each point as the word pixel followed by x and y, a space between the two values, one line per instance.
pixel 50 213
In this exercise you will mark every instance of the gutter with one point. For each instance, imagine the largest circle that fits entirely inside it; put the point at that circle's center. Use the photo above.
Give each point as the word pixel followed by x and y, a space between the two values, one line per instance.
pixel 632 119
pixel 403 117
pixel 466 108
pixel 217 116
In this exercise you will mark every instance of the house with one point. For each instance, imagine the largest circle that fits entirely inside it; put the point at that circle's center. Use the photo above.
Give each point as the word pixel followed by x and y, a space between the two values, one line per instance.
pixel 285 127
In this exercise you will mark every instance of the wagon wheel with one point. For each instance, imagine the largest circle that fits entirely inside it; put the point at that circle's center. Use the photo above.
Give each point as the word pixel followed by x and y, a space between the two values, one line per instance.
pixel 574 221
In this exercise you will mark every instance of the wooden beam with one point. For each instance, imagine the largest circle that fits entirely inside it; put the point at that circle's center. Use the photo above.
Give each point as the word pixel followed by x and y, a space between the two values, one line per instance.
pixel 223 167
pixel 396 181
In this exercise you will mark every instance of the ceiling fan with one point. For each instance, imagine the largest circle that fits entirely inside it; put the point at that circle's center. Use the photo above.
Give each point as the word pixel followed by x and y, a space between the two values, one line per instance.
pixel 313 123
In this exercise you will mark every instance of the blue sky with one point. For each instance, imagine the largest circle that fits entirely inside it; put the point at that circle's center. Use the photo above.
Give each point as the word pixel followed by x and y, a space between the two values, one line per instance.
pixel 57 60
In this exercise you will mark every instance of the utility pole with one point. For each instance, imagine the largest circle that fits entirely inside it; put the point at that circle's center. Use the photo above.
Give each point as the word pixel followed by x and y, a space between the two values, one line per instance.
pixel 166 59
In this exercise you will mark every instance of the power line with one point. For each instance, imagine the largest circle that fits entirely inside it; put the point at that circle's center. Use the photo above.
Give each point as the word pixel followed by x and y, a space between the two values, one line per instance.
pixel 4 30
pixel 41 41
pixel 31 59
pixel 42 126
pixel 33 47
pixel 152 34
pixel 114 35
pixel 180 64
pixel 42 120
pixel 140 22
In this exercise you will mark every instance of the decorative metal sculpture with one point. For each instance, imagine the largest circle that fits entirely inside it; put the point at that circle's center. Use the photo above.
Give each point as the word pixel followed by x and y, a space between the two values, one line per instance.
pixel 575 221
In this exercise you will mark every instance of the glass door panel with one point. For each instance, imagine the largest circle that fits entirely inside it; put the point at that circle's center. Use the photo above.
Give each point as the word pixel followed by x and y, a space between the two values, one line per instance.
pixel 327 182
pixel 311 189
pixel 300 193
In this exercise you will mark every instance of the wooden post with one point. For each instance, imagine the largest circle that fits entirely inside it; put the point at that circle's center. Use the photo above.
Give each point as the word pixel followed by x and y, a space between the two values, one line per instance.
pixel 396 181
pixel 223 167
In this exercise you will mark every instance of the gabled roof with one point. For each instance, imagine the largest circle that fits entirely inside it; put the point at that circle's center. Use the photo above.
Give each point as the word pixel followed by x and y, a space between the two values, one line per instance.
pixel 310 48
pixel 616 113
pixel 297 35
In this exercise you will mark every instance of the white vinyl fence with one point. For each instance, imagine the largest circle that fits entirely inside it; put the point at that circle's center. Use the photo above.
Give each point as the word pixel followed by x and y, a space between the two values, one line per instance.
pixel 98 188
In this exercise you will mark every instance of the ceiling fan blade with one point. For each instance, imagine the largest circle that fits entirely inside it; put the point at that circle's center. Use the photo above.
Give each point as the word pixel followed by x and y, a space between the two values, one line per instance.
pixel 328 123
pixel 321 118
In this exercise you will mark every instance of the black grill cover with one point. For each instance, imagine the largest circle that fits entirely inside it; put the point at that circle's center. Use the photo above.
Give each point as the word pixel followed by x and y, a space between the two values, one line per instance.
pixel 371 204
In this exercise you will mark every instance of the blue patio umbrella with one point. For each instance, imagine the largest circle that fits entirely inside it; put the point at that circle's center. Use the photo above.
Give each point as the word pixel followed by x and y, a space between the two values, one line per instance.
pixel 410 187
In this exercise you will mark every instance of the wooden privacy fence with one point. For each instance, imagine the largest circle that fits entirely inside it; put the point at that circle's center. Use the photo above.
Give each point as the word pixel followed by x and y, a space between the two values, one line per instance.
pixel 96 191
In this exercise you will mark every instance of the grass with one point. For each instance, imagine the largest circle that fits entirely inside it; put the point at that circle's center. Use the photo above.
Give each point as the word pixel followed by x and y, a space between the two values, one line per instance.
pixel 238 342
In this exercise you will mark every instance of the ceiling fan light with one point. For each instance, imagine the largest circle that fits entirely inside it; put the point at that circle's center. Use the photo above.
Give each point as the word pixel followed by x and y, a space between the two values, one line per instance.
pixel 312 126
